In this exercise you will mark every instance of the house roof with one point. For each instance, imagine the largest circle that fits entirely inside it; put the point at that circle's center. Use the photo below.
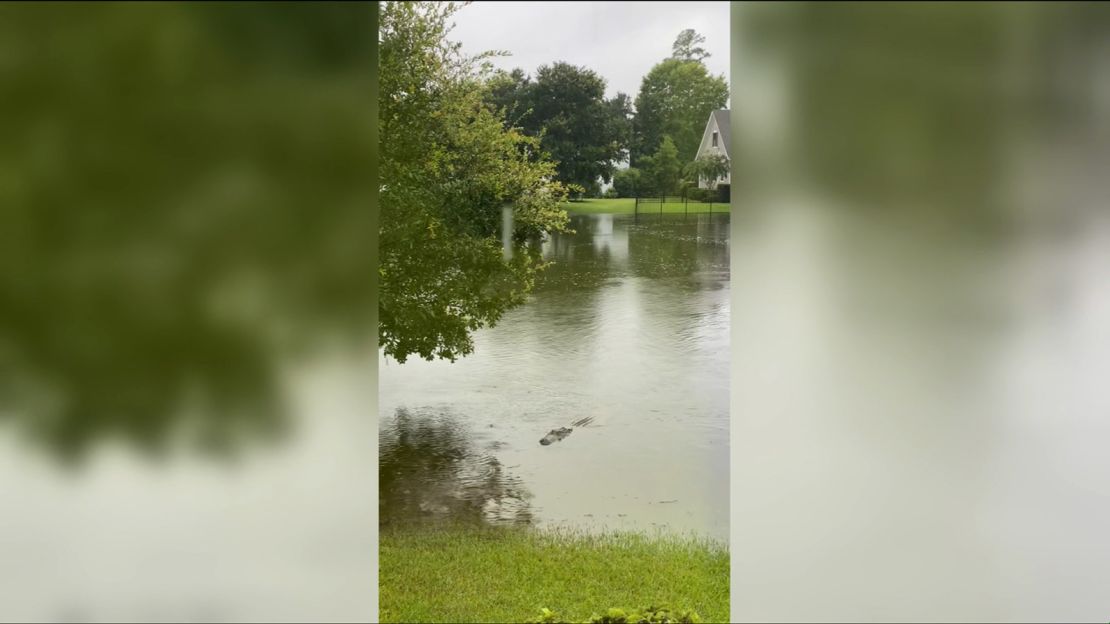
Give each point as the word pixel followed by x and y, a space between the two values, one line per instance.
pixel 722 118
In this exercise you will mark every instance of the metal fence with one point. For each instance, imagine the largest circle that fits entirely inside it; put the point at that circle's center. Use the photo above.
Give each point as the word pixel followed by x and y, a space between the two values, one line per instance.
pixel 655 205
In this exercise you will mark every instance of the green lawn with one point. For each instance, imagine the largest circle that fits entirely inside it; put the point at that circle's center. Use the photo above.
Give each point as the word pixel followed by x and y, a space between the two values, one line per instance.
pixel 508 575
pixel 627 205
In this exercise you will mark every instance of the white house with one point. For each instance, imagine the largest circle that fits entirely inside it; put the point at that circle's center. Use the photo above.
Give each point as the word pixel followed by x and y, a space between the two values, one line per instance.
pixel 716 139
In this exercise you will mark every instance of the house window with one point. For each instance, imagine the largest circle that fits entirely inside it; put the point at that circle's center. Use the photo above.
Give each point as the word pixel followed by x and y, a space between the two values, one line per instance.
pixel 714 139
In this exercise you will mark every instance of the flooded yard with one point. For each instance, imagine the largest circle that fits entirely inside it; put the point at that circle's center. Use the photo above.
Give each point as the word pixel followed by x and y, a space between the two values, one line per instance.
pixel 628 327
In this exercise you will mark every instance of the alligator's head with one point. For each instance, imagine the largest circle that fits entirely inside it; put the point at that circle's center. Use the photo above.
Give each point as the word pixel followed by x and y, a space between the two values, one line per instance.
pixel 555 435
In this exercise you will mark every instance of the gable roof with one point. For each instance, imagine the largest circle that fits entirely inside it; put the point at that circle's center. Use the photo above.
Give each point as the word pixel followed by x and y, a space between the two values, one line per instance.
pixel 722 118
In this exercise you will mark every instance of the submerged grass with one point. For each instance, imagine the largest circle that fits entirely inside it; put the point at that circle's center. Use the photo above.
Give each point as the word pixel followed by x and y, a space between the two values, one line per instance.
pixel 627 205
pixel 467 574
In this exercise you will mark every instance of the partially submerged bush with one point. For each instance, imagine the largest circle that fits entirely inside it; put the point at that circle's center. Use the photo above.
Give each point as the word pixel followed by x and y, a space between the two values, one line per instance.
pixel 650 615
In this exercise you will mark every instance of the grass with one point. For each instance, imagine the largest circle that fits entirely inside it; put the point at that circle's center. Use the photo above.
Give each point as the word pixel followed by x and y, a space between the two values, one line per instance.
pixel 508 575
pixel 627 205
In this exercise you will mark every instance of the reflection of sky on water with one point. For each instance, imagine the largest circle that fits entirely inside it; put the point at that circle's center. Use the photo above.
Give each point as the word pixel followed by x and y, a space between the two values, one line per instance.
pixel 609 242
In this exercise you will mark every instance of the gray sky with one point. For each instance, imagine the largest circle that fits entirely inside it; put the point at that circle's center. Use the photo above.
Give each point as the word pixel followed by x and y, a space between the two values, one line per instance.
pixel 619 40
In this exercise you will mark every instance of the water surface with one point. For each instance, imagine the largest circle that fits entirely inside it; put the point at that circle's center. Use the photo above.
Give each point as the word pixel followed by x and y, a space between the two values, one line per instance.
pixel 628 326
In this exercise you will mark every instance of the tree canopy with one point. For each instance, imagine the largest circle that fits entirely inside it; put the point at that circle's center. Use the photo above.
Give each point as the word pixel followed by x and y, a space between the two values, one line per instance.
pixel 448 165
pixel 566 108
pixel 686 48
pixel 675 99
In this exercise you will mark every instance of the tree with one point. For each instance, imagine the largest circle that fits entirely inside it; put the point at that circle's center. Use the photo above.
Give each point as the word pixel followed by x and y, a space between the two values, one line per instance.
pixel 648 186
pixel 676 98
pixel 685 47
pixel 507 95
pixel 626 182
pixel 663 169
pixel 709 167
pixel 565 106
pixel 448 165
pixel 619 118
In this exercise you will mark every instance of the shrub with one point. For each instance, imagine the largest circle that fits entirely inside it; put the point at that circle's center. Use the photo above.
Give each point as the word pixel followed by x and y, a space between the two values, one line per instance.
pixel 724 193
pixel 706 195
pixel 650 615
pixel 696 194
pixel 626 182
pixel 611 193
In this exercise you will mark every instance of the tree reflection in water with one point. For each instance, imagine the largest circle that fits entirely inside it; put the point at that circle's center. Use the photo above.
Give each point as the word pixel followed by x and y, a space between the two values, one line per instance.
pixel 431 471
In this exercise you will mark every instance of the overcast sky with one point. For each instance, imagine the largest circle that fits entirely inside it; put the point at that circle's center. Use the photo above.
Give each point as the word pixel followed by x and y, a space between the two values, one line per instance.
pixel 619 40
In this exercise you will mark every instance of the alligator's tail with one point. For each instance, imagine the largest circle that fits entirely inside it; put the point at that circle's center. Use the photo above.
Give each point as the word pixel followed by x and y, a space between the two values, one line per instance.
pixel 582 422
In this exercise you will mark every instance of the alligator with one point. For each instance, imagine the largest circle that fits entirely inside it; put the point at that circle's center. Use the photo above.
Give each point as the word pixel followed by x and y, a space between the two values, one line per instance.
pixel 558 434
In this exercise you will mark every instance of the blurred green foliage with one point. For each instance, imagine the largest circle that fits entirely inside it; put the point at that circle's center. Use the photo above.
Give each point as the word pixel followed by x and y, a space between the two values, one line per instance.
pixel 182 195
pixel 927 103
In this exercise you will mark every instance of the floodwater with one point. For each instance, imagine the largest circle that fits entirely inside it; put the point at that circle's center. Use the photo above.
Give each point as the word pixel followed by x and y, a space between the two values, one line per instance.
pixel 921 417
pixel 629 327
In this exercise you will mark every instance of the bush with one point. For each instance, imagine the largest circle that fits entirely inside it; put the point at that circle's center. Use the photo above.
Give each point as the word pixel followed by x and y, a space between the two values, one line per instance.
pixel 611 193
pixel 696 194
pixel 626 182
pixel 706 195
pixel 724 193
pixel 650 615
